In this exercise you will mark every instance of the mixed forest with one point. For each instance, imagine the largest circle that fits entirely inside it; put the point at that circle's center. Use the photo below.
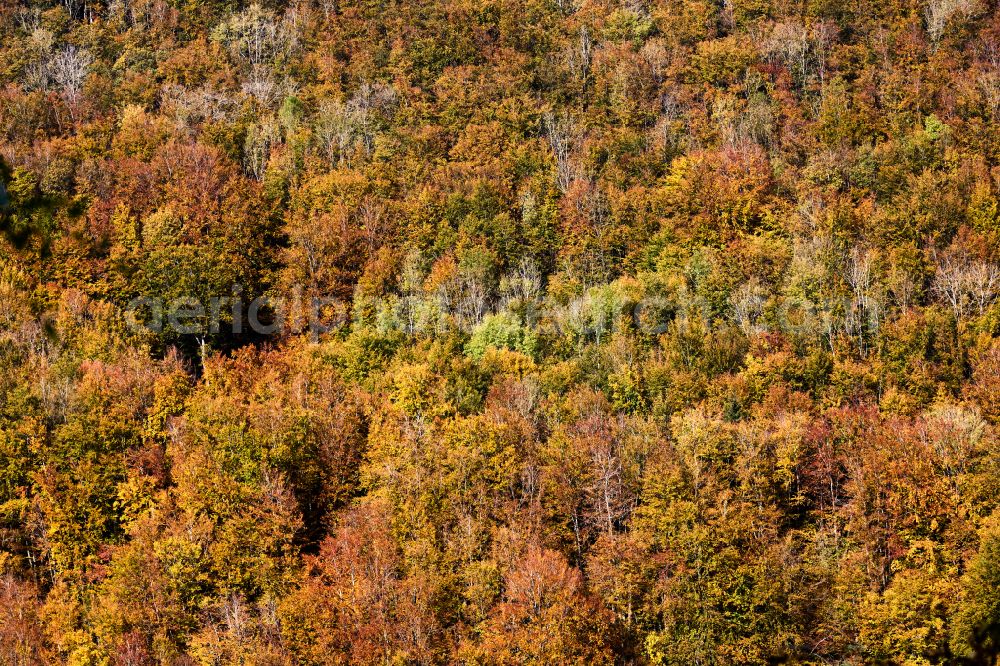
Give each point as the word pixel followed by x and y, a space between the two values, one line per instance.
pixel 665 332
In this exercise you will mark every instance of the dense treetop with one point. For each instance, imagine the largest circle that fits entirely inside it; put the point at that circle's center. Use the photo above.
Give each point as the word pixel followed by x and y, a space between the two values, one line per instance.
pixel 657 332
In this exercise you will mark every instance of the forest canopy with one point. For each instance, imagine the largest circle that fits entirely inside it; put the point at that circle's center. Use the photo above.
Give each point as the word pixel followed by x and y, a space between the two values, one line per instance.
pixel 503 332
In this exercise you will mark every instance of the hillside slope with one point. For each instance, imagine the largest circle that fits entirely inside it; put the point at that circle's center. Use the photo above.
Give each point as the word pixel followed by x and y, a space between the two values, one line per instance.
pixel 499 332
